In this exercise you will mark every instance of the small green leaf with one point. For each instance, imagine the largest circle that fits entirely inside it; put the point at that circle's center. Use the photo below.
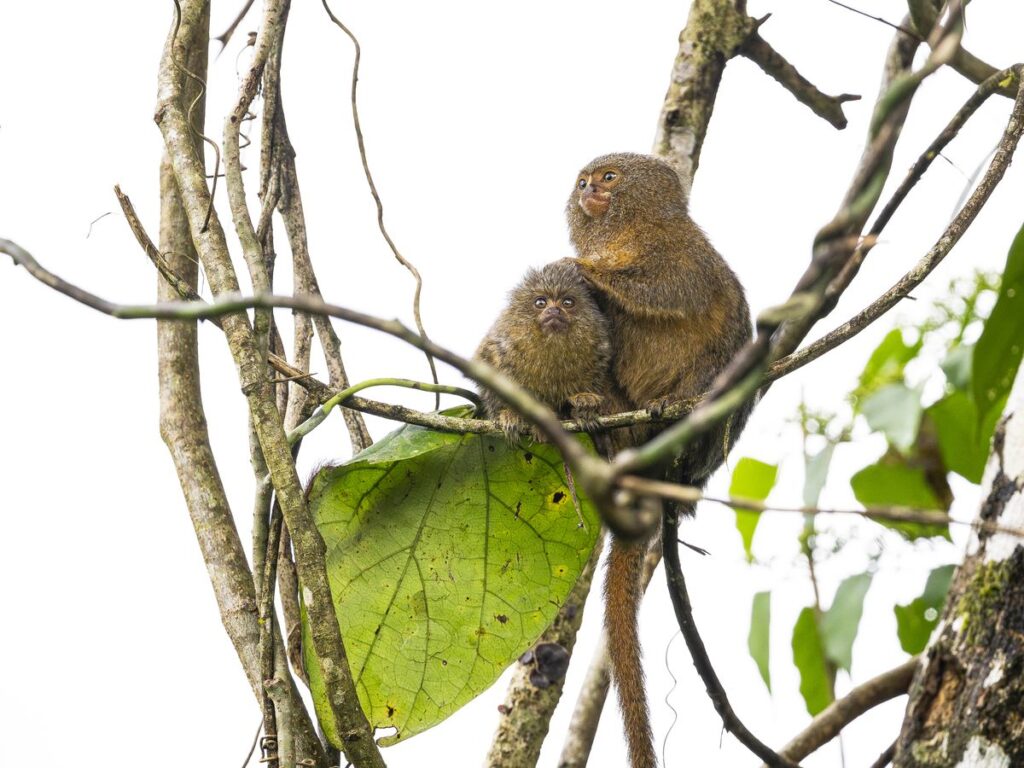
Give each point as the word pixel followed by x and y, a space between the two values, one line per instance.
pixel 963 443
pixel 754 480
pixel 898 485
pixel 447 555
pixel 894 410
pixel 809 658
pixel 816 473
pixel 840 623
pixel 997 354
pixel 957 366
pixel 757 640
pixel 886 364
pixel 916 620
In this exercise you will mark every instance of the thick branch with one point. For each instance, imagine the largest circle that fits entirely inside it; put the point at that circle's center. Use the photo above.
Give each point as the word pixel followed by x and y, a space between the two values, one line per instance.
pixel 208 236
pixel 183 425
pixel 715 30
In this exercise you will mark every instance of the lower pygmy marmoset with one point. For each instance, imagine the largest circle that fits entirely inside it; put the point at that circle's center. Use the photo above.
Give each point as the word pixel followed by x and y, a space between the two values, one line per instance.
pixel 678 316
pixel 553 340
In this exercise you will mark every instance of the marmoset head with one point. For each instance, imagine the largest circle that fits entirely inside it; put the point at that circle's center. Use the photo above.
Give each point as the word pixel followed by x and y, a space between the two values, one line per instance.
pixel 622 187
pixel 554 297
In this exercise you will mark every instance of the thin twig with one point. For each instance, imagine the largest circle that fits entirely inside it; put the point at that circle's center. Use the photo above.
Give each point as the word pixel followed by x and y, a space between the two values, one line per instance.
pixel 376 197
pixel 225 36
pixel 689 494
pixel 320 414
pixel 905 30
pixel 886 757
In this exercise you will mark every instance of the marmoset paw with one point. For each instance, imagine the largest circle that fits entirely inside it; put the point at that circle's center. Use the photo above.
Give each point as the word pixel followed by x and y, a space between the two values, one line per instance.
pixel 586 408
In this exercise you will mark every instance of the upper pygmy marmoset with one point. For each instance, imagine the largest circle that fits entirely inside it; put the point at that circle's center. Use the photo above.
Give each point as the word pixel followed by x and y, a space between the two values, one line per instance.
pixel 678 316
pixel 677 311
pixel 553 340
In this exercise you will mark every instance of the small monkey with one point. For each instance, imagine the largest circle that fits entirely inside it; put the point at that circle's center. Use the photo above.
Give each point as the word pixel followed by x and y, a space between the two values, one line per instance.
pixel 552 339
pixel 678 316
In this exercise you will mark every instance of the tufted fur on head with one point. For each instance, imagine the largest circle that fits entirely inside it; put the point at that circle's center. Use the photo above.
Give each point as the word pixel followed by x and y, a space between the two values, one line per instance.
pixel 557 361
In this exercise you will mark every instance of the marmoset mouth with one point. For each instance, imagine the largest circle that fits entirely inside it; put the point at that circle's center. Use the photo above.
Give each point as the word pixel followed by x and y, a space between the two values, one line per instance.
pixel 554 323
pixel 595 203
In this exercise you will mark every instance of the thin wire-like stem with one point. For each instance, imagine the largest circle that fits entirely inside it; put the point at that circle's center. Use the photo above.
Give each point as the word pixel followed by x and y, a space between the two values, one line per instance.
pixel 376 197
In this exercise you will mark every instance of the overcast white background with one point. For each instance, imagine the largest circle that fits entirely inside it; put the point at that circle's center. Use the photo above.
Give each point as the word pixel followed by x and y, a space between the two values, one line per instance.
pixel 477 117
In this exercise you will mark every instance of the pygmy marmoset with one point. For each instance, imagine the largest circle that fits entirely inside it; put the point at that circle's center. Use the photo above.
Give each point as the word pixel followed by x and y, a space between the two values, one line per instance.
pixel 553 340
pixel 678 316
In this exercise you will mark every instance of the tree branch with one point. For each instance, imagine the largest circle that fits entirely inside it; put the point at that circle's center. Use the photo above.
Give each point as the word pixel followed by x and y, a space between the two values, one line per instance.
pixel 208 235
pixel 950 237
pixel 183 423
pixel 830 108
pixel 827 724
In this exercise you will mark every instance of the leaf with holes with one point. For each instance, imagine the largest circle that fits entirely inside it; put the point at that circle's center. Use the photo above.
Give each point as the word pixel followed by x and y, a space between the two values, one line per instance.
pixel 448 555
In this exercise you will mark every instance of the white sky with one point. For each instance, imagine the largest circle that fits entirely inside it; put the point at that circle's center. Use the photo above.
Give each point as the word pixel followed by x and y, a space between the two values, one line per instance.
pixel 477 118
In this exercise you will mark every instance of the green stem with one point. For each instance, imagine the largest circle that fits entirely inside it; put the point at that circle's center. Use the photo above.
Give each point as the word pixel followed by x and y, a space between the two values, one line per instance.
pixel 320 414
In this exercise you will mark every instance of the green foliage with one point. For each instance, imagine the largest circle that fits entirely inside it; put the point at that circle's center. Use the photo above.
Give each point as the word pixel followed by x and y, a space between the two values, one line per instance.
pixel 816 473
pixel 916 620
pixel 963 443
pixel 957 366
pixel 887 484
pixel 757 640
pixel 925 442
pixel 448 555
pixel 754 480
pixel 809 658
pixel 997 355
pixel 886 364
pixel 840 623
pixel 895 411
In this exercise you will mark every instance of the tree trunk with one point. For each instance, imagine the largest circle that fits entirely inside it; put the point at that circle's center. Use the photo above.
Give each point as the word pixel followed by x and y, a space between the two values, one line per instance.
pixel 965 702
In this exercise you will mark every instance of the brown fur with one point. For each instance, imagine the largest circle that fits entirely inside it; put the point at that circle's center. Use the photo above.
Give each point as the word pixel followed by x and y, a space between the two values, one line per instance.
pixel 678 316
pixel 567 368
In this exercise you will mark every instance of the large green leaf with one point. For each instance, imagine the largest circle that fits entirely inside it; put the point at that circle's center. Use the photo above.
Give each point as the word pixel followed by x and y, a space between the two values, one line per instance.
pixel 840 622
pixel 963 443
pixel 809 658
pixel 916 620
pixel 754 480
pixel 888 484
pixel 886 364
pixel 894 410
pixel 997 354
pixel 757 639
pixel 448 555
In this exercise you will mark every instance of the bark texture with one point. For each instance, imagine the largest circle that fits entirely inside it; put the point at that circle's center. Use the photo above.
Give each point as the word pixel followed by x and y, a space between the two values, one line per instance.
pixel 965 701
